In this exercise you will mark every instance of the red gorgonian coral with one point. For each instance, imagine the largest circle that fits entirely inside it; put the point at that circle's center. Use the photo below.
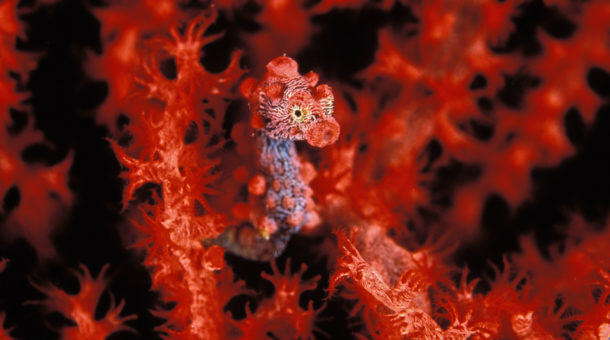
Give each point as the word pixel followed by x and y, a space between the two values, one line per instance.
pixel 436 169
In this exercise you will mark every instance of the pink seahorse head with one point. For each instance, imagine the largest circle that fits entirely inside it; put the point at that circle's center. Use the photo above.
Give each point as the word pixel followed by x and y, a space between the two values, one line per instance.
pixel 287 105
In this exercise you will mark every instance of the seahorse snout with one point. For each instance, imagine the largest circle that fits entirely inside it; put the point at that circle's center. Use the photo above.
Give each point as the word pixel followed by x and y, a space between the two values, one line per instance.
pixel 323 133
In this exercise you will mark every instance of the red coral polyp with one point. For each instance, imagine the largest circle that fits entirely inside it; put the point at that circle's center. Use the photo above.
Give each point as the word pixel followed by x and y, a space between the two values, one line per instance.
pixel 80 307
pixel 281 315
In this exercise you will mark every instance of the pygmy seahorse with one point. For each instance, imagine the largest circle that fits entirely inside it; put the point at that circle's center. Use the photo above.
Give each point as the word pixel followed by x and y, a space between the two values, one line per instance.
pixel 286 107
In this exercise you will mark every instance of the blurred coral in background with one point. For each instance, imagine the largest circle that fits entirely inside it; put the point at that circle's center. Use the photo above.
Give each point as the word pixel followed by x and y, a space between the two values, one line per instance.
pixel 466 197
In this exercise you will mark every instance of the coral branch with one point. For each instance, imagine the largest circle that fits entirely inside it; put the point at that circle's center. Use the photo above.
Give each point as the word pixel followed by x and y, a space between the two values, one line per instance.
pixel 164 110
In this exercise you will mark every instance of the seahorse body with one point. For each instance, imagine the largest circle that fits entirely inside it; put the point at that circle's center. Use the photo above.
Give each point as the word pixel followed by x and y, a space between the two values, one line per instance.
pixel 285 107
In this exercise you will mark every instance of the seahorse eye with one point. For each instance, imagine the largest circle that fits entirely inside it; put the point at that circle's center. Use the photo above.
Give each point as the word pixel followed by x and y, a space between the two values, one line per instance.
pixel 299 114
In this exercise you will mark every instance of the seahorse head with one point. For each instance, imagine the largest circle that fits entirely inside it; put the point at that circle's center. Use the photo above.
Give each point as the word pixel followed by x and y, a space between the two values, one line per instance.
pixel 288 105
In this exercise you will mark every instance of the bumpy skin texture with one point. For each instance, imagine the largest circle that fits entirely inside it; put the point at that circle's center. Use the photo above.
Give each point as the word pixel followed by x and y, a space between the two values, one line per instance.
pixel 288 106
pixel 285 107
